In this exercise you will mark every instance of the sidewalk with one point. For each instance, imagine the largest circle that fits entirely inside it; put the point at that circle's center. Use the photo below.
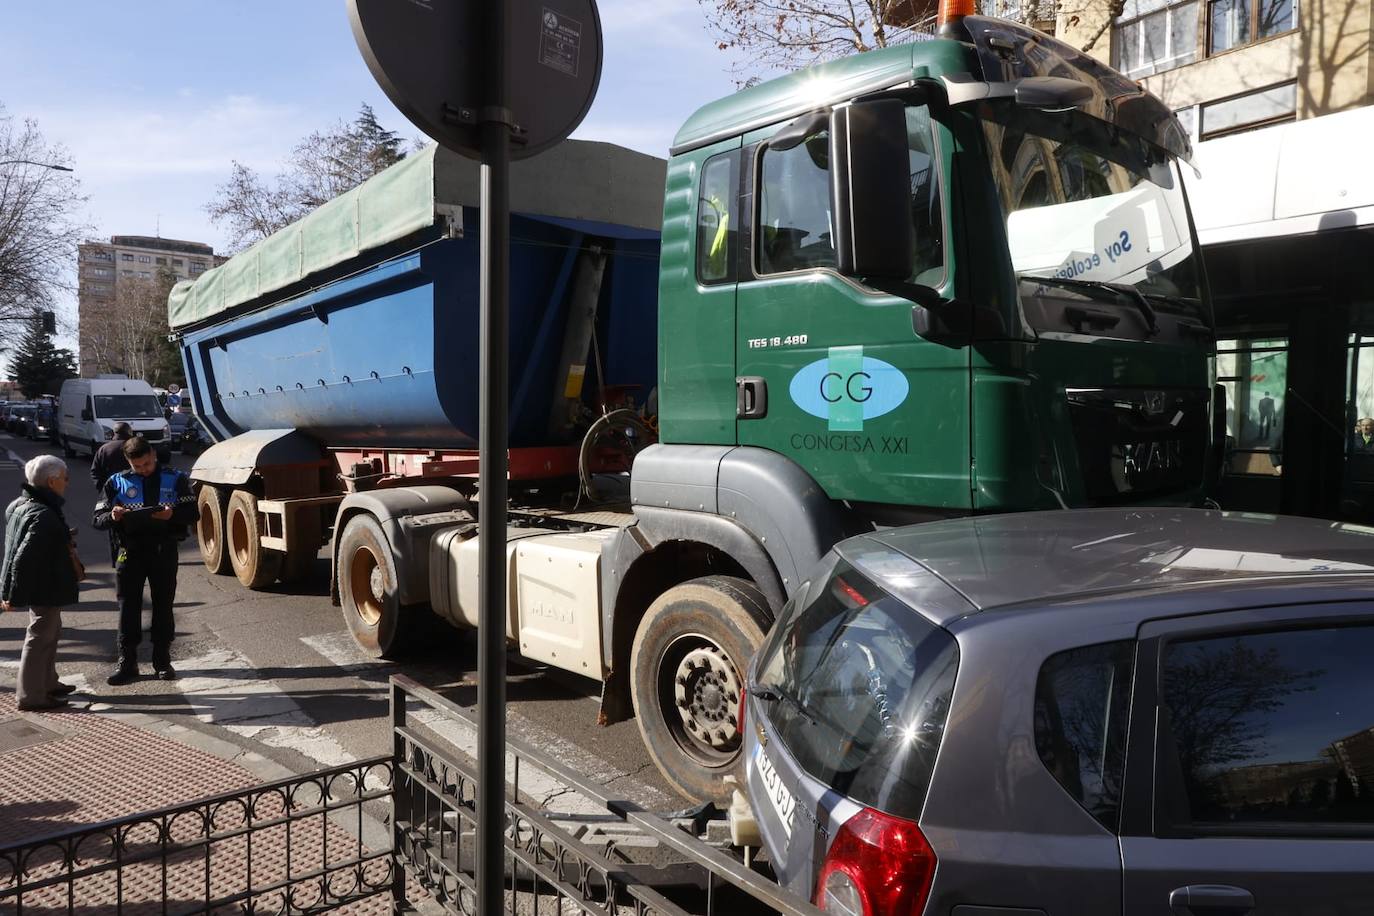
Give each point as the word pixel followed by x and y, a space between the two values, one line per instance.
pixel 64 770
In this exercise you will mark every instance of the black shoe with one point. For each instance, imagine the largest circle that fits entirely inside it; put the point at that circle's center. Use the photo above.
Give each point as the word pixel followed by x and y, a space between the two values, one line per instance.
pixel 165 671
pixel 62 690
pixel 124 674
pixel 54 703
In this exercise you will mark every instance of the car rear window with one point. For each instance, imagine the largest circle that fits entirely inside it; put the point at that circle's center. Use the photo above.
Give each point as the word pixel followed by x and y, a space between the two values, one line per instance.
pixel 1082 705
pixel 865 684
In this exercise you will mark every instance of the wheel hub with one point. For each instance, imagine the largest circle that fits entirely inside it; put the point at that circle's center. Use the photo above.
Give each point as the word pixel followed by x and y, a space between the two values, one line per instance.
pixel 706 690
pixel 377 584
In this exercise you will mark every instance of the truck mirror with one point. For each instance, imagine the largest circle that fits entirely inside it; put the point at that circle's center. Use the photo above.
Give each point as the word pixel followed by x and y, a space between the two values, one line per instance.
pixel 870 170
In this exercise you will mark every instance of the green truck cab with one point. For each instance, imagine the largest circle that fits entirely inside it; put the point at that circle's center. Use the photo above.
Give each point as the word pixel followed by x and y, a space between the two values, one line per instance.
pixel 1022 317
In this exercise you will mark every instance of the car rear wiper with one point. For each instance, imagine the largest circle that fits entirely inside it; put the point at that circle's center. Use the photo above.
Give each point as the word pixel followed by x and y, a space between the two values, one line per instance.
pixel 774 694
pixel 1123 290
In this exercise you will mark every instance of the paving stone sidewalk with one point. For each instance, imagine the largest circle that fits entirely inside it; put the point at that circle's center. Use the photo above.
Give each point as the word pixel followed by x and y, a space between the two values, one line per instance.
pixel 63 770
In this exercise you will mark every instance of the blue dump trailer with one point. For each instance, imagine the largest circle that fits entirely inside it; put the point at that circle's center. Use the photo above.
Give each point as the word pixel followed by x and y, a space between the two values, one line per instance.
pixel 371 340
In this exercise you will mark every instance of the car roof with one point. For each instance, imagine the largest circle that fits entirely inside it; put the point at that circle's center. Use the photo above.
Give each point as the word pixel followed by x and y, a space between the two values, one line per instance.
pixel 1004 560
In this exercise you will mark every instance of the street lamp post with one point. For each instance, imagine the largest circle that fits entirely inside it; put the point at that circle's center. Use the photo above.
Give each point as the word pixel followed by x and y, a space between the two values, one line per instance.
pixel 42 165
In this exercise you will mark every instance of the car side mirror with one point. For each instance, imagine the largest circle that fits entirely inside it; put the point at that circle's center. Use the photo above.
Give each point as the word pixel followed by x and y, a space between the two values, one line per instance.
pixel 870 169
pixel 86 414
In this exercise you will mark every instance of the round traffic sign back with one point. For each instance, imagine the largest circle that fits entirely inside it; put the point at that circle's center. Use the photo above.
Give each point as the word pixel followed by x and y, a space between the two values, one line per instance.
pixel 430 58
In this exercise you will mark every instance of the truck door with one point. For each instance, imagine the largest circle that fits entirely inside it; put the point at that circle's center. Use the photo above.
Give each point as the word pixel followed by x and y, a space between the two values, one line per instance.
pixel 830 372
pixel 698 272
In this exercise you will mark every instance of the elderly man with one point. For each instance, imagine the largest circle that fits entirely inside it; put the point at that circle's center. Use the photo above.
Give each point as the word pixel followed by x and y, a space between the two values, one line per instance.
pixel 39 572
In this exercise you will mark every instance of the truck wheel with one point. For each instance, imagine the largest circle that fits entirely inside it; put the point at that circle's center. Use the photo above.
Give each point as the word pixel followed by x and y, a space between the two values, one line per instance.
pixel 210 530
pixel 67 450
pixel 686 669
pixel 369 593
pixel 255 565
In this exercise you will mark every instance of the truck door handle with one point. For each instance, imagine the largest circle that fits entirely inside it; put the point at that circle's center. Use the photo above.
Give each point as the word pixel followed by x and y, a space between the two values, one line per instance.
pixel 1211 900
pixel 751 398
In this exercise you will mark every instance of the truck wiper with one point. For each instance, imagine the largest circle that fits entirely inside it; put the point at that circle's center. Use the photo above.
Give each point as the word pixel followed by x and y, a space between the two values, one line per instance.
pixel 775 694
pixel 1122 290
pixel 1193 305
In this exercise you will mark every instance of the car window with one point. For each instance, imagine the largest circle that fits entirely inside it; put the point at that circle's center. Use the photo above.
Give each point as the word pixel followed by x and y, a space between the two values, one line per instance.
pixel 864 683
pixel 1082 704
pixel 1272 727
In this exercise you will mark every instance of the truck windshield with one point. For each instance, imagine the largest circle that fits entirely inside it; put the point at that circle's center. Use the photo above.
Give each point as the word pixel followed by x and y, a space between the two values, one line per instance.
pixel 127 407
pixel 1092 213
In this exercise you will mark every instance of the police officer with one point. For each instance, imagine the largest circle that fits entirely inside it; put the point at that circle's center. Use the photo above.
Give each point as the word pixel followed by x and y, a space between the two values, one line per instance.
pixel 146 507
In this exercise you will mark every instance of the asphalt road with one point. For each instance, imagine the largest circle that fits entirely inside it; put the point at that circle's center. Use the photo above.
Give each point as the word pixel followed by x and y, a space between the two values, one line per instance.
pixel 276 673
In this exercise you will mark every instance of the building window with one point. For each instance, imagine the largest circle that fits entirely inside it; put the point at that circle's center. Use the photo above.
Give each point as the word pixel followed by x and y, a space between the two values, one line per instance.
pixel 127 273
pixel 1246 112
pixel 99 256
pixel 1151 37
pixel 162 261
pixel 145 259
pixel 178 262
pixel 101 272
pixel 1233 23
pixel 126 257
pixel 1187 117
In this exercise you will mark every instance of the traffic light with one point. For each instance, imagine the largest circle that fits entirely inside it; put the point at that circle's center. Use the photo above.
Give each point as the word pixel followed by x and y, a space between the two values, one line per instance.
pixel 49 322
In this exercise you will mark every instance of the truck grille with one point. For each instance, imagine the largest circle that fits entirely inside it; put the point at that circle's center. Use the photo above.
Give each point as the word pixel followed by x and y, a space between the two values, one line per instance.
pixel 1139 442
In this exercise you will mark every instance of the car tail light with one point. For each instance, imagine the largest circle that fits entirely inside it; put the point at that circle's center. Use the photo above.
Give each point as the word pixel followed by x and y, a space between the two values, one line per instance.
pixel 878 865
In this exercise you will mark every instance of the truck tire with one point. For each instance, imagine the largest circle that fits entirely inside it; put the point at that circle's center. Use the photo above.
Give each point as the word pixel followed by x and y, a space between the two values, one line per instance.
pixel 214 551
pixel 369 595
pixel 67 450
pixel 686 671
pixel 255 565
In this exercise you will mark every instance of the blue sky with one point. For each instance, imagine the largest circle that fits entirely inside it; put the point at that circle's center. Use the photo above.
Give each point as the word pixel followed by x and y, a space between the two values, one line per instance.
pixel 154 99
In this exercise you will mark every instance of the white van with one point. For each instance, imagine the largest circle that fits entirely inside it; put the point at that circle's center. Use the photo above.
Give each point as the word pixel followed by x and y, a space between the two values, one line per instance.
pixel 89 408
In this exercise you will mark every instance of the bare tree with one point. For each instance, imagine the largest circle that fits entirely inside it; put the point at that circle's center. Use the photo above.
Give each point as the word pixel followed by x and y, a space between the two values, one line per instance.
pixel 773 36
pixel 322 165
pixel 38 229
pixel 131 334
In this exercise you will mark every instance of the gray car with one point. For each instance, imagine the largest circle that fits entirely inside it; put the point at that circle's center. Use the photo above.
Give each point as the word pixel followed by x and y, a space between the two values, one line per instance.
pixel 1109 711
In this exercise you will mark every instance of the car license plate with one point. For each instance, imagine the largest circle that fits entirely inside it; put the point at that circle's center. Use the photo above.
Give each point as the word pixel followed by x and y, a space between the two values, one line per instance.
pixel 783 802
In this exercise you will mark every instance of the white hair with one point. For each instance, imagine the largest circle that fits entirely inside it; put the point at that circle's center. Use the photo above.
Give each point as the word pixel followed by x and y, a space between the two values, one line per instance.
pixel 38 471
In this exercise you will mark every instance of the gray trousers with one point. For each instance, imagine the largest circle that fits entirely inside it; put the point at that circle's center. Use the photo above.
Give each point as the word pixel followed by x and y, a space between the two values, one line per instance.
pixel 38 661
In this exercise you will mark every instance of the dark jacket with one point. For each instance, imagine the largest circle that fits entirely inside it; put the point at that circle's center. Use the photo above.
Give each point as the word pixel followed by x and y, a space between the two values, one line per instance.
pixel 139 527
pixel 108 461
pixel 37 570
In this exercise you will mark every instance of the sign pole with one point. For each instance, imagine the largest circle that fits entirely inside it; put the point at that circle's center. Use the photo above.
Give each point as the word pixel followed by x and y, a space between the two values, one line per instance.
pixel 495 127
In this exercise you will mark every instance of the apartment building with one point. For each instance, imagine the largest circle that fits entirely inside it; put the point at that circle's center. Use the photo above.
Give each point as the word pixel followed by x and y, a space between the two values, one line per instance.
pixel 108 272
pixel 1227 66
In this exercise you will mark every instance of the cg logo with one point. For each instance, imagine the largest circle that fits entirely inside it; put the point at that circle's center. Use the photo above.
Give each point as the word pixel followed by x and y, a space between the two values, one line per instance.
pixel 847 388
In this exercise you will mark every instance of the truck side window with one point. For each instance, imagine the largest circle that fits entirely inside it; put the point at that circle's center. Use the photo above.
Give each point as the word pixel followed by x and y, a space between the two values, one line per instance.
pixel 718 219
pixel 794 205
pixel 794 208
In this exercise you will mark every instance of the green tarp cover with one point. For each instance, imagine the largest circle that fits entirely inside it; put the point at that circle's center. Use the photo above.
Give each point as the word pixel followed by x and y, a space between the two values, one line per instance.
pixel 389 206
pixel 577 179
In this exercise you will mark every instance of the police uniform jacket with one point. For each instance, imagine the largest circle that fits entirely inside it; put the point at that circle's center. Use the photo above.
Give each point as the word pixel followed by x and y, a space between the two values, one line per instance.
pixel 165 486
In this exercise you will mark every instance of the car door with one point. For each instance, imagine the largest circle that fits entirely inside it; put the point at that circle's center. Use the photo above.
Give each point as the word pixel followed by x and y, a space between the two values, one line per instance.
pixel 1250 775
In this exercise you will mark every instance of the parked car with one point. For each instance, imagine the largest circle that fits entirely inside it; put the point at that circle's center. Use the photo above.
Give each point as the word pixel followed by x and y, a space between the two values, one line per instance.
pixel 16 421
pixel 1101 711
pixel 188 433
pixel 42 426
